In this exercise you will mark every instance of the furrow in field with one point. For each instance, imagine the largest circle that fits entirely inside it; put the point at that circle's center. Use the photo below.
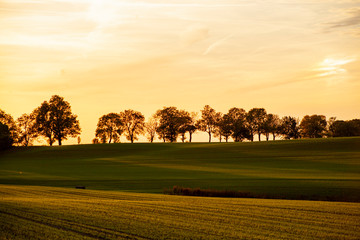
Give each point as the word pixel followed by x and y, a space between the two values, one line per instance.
pixel 72 226
pixel 114 214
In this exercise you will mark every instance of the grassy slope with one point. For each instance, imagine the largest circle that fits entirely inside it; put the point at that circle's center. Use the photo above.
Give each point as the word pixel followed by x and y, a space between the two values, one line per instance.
pixel 322 167
pixel 28 212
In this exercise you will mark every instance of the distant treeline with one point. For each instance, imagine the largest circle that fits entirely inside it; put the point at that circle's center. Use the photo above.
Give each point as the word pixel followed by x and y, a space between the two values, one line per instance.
pixel 54 121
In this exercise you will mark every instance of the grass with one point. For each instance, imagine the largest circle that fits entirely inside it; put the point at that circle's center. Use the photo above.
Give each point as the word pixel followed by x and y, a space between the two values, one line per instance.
pixel 31 212
pixel 327 169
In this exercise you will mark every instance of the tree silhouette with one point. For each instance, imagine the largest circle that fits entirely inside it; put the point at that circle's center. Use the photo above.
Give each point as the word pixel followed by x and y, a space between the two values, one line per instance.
pixel 208 121
pixel 225 127
pixel 271 125
pixel 191 125
pixel 290 127
pixel 313 126
pixel 239 129
pixel 8 120
pixel 170 120
pixel 185 124
pixel 55 120
pixel 340 128
pixel 109 128
pixel 27 129
pixel 5 137
pixel 256 119
pixel 134 123
pixel 150 128
pixel 44 123
pixel 217 129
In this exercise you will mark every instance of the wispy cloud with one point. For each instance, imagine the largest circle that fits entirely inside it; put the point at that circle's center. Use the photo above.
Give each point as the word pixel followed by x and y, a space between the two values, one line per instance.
pixel 348 19
pixel 332 66
pixel 217 43
pixel 195 33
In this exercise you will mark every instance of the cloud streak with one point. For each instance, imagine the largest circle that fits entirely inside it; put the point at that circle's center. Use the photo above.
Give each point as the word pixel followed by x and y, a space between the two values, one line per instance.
pixel 217 44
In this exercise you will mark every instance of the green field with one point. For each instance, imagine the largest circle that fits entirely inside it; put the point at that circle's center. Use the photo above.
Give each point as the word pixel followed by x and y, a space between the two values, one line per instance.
pixel 29 212
pixel 325 169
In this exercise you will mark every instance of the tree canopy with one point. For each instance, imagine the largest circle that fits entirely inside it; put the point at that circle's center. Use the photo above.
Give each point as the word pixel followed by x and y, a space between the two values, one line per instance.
pixel 27 129
pixel 5 137
pixel 209 120
pixel 340 128
pixel 170 121
pixel 134 123
pixel 109 128
pixel 313 126
pixel 8 120
pixel 55 121
pixel 290 127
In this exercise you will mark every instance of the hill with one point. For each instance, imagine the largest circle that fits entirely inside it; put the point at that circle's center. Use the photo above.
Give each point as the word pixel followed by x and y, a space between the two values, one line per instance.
pixel 323 169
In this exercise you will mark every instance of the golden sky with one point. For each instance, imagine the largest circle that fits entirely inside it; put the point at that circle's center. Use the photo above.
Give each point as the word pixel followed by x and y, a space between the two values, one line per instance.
pixel 292 57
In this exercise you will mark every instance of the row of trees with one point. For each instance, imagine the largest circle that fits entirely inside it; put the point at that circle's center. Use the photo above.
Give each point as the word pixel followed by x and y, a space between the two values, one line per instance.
pixel 54 121
pixel 170 124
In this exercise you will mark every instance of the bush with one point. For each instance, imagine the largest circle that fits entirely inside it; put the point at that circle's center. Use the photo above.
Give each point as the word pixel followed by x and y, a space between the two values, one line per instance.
pixel 176 190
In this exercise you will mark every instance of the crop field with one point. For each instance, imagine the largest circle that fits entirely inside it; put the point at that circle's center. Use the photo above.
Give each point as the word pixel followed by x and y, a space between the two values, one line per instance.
pixel 321 169
pixel 30 212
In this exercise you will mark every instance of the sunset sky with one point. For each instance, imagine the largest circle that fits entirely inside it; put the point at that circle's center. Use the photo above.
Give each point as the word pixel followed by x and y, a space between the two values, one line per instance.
pixel 292 57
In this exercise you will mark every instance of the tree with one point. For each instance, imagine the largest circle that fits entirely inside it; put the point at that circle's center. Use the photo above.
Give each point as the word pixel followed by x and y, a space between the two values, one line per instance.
pixel 225 127
pixel 191 126
pixel 256 119
pixel 150 128
pixel 185 122
pixel 313 126
pixel 237 120
pixel 134 123
pixel 330 122
pixel 5 137
pixel 217 129
pixel 271 125
pixel 208 121
pixel 290 127
pixel 170 120
pixel 341 128
pixel 8 120
pixel 44 123
pixel 55 120
pixel 27 129
pixel 109 128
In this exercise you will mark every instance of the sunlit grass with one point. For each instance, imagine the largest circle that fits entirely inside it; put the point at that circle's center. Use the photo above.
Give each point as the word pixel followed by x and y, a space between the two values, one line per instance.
pixel 320 168
pixel 57 213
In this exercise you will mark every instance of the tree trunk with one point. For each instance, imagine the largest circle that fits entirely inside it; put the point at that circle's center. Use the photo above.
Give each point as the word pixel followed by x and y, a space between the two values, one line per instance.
pixel 190 136
pixel 267 136
pixel 273 136
pixel 59 141
pixel 259 136
pixel 226 139
pixel 209 136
